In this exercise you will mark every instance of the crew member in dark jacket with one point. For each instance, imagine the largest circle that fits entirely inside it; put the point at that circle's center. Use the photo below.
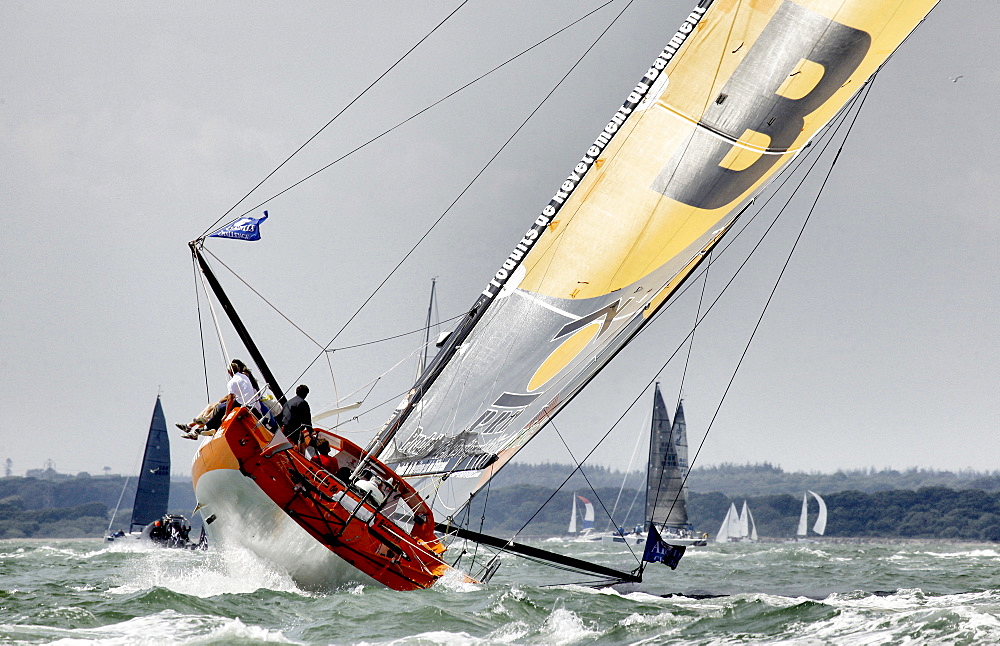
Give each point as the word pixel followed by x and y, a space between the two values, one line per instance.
pixel 296 414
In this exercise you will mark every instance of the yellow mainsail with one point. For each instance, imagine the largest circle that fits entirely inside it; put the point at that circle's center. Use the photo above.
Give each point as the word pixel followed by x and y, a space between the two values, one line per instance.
pixel 738 91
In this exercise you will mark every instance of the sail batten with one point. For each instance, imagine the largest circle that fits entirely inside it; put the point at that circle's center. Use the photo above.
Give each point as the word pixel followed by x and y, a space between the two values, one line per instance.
pixel 747 86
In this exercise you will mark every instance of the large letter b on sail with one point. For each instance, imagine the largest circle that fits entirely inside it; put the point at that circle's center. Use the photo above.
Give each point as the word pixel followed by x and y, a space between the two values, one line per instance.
pixel 757 99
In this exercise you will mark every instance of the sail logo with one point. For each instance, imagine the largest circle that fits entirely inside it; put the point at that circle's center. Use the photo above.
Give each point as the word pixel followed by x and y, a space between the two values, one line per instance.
pixel 758 116
pixel 617 121
pixel 246 228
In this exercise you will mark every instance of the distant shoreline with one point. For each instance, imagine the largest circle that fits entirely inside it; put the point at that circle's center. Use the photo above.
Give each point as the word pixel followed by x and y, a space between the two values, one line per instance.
pixel 819 540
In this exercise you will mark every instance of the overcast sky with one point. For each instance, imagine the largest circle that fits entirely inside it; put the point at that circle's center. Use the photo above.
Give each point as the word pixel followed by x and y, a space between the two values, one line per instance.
pixel 129 128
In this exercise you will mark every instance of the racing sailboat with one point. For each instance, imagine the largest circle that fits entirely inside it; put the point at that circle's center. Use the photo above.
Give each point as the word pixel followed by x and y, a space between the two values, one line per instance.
pixel 587 523
pixel 150 520
pixel 666 481
pixel 738 91
pixel 152 492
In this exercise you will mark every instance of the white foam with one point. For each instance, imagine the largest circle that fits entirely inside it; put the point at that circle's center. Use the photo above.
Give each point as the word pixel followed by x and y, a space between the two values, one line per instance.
pixel 993 554
pixel 636 619
pixel 232 570
pixel 168 627
pixel 564 627
pixel 913 626
pixel 441 637
pixel 514 594
pixel 456 581
pixel 509 633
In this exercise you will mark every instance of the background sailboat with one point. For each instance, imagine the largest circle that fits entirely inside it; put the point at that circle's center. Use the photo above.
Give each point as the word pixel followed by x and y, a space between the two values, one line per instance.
pixel 737 527
pixel 820 525
pixel 152 493
pixel 587 522
pixel 666 481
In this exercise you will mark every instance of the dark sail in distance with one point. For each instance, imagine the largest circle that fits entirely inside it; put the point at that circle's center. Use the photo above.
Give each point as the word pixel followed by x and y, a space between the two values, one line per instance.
pixel 153 490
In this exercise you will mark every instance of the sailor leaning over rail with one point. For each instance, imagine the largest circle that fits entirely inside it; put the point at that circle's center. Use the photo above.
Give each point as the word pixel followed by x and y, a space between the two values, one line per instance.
pixel 242 391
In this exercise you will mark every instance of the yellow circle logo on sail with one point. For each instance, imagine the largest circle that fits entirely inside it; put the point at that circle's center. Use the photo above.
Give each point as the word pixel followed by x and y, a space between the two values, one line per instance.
pixel 563 355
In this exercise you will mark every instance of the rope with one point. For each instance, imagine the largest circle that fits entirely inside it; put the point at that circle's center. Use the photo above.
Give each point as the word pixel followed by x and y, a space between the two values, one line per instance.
pixel 670 433
pixel 579 467
pixel 201 328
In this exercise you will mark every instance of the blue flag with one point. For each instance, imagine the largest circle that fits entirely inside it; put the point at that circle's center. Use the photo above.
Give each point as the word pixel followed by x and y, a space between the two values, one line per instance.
pixel 659 552
pixel 243 229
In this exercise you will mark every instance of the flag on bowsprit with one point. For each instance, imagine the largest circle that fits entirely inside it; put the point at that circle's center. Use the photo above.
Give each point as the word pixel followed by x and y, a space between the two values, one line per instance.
pixel 659 552
pixel 246 228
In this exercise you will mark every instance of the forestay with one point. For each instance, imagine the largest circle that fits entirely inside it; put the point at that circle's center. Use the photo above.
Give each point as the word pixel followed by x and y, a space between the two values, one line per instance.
pixel 749 84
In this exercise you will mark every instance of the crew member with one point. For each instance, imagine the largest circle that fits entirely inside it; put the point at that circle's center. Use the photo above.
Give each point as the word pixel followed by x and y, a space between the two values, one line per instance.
pixel 297 415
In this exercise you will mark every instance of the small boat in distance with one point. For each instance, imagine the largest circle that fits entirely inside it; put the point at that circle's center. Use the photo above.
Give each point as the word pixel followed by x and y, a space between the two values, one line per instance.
pixel 587 524
pixel 819 527
pixel 737 527
pixel 152 494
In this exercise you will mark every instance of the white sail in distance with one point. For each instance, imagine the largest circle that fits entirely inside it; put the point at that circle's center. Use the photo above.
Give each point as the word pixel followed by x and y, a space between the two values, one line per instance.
pixel 820 526
pixel 803 528
pixel 730 525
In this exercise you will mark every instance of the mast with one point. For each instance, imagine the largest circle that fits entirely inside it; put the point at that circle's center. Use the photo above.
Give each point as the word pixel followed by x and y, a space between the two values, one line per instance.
pixel 422 359
pixel 234 318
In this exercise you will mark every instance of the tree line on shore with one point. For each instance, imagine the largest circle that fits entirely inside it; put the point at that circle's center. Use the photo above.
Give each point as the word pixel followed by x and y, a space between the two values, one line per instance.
pixel 966 508
pixel 929 512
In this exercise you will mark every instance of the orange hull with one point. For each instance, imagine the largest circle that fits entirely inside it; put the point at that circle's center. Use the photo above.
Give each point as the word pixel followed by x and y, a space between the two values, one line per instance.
pixel 393 543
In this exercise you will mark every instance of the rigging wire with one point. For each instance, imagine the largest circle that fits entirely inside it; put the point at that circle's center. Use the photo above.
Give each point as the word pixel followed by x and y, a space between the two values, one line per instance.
pixel 423 110
pixel 334 118
pixel 201 328
pixel 397 336
pixel 621 489
pixel 306 334
pixel 866 92
pixel 261 297
pixel 680 391
pixel 579 467
pixel 854 100
pixel 472 181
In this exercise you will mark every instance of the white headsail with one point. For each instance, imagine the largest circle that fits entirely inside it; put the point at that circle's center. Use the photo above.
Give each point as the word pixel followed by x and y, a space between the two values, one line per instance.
pixel 803 517
pixel 820 526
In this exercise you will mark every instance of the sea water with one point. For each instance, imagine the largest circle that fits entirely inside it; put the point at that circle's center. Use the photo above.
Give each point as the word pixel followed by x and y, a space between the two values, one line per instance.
pixel 86 591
